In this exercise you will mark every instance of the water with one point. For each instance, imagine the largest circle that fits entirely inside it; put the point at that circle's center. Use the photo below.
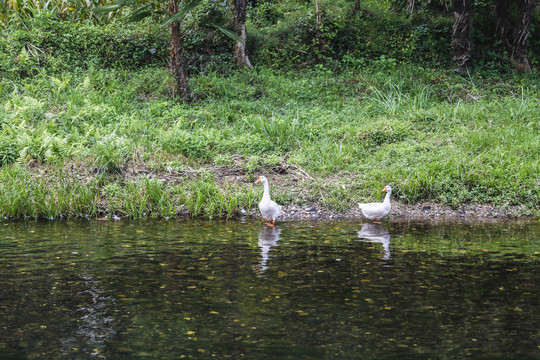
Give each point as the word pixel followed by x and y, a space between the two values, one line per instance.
pixel 240 290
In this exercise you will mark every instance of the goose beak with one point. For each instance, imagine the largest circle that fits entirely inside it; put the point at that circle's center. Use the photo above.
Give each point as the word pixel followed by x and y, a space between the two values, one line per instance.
pixel 258 180
pixel 384 189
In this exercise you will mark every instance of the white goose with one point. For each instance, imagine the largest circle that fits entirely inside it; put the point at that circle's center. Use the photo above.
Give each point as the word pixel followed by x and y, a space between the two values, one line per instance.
pixel 269 209
pixel 376 211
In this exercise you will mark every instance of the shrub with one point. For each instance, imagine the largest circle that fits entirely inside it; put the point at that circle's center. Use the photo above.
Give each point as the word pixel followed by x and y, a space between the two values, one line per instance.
pixel 55 45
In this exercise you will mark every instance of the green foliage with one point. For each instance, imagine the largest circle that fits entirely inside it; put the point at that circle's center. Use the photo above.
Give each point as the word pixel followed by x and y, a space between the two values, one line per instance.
pixel 20 12
pixel 9 152
pixel 281 132
pixel 59 46
pixel 348 37
pixel 283 34
pixel 205 197
pixel 24 195
pixel 200 143
pixel 111 153
pixel 358 116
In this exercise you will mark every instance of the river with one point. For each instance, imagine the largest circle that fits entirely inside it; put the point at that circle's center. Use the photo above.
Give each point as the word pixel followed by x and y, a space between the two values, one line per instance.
pixel 241 290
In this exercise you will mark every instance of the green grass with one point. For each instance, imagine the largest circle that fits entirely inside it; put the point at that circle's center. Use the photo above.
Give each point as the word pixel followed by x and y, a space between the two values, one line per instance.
pixel 432 135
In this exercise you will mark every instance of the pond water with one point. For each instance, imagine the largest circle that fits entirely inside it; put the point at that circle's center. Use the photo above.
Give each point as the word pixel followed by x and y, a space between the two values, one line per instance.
pixel 241 290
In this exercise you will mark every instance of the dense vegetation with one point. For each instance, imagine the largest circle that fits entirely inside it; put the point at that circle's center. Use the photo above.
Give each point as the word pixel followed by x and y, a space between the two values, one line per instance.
pixel 337 109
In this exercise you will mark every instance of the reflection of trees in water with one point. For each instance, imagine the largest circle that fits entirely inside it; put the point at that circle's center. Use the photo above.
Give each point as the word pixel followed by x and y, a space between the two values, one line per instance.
pixel 268 237
pixel 94 319
pixel 376 233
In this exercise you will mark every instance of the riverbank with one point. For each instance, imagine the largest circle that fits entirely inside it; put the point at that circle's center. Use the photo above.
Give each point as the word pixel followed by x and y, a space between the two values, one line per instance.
pixel 71 146
pixel 77 190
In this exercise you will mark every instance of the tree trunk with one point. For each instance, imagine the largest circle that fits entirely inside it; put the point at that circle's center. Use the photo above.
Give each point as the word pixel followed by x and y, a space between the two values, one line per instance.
pixel 240 53
pixel 177 56
pixel 503 23
pixel 462 33
pixel 522 30
pixel 356 7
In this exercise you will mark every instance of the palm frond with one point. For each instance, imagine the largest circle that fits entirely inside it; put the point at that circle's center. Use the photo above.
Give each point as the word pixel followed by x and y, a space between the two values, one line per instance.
pixel 230 34
pixel 183 11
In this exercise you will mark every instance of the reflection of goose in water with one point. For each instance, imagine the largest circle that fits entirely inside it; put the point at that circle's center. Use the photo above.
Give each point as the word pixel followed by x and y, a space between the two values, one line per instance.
pixel 376 233
pixel 268 237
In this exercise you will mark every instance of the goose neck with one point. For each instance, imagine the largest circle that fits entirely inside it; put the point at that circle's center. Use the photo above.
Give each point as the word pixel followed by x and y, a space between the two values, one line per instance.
pixel 387 197
pixel 266 194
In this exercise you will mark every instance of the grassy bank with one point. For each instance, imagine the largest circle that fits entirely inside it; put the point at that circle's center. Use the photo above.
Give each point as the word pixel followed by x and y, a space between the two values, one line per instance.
pixel 109 141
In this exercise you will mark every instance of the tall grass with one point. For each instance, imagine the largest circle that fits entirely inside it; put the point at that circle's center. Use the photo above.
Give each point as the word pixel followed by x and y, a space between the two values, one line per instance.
pixel 27 195
pixel 23 195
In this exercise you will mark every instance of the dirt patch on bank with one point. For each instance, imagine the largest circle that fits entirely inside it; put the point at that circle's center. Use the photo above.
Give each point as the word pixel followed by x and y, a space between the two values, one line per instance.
pixel 416 212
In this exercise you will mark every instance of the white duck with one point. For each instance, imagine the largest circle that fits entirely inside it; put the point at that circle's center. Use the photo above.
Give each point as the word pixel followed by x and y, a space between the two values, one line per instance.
pixel 376 211
pixel 269 209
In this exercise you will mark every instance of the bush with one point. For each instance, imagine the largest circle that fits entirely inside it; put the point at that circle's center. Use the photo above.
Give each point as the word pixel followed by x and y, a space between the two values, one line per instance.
pixel 57 46
pixel 337 38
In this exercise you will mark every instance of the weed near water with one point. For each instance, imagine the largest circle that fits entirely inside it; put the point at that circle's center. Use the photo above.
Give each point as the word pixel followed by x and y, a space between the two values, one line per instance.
pixel 27 195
